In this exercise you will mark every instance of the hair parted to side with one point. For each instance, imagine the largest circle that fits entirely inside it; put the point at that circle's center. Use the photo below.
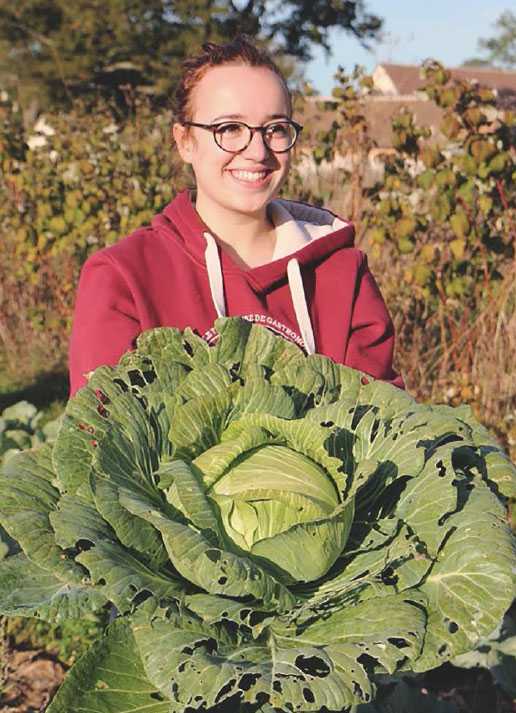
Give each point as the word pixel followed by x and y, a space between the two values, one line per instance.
pixel 239 51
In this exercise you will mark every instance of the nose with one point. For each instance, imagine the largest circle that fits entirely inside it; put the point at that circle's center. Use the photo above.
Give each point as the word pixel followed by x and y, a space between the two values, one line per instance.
pixel 257 149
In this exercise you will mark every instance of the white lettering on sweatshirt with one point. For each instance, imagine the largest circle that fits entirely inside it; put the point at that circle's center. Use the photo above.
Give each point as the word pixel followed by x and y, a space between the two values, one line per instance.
pixel 211 336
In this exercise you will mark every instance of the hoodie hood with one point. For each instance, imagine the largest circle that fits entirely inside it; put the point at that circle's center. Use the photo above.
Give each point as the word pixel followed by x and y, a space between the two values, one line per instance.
pixel 304 235
pixel 302 231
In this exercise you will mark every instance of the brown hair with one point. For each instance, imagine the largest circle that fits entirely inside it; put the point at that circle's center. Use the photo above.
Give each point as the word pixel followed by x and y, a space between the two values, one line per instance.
pixel 239 51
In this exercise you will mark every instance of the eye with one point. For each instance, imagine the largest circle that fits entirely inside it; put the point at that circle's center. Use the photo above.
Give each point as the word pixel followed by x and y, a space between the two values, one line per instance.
pixel 279 129
pixel 230 129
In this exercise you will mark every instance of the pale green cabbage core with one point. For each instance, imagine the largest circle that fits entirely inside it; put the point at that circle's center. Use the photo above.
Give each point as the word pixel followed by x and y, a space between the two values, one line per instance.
pixel 275 502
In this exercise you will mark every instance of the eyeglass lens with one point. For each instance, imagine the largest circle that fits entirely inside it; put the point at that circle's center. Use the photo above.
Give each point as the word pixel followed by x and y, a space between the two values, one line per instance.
pixel 235 136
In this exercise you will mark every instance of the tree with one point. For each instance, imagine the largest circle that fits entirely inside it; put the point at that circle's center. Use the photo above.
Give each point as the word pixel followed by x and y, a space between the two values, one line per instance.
pixel 60 49
pixel 501 48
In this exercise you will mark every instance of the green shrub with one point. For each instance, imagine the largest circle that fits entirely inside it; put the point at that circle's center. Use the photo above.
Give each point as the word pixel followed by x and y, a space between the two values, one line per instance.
pixel 446 202
pixel 92 182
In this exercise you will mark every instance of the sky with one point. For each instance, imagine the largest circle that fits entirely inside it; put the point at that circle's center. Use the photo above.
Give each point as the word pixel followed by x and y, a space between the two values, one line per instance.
pixel 414 30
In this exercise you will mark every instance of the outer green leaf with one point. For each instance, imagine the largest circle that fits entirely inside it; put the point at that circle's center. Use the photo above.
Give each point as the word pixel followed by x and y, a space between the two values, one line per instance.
pixel 110 677
pixel 189 496
pixel 198 424
pixel 474 567
pixel 29 590
pixel 125 577
pixel 27 497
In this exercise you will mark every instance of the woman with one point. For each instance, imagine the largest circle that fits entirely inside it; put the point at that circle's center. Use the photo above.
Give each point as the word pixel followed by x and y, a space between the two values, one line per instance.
pixel 231 247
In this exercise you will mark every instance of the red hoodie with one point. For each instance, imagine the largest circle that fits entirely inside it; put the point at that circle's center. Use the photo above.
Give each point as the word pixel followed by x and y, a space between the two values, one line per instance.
pixel 317 291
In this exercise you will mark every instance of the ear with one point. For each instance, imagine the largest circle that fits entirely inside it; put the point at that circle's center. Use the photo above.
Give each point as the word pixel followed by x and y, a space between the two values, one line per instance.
pixel 184 141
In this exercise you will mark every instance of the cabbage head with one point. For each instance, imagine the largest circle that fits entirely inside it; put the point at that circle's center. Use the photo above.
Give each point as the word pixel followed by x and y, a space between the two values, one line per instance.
pixel 276 531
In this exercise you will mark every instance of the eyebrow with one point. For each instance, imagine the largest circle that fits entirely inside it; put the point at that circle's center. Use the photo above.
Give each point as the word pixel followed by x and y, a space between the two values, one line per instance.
pixel 241 117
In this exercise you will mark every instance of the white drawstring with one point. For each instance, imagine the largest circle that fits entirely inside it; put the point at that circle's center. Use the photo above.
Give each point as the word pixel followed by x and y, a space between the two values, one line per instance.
pixel 295 283
pixel 215 275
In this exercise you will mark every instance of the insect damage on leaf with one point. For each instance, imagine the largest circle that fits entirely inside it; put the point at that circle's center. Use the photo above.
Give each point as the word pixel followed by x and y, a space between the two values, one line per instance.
pixel 273 529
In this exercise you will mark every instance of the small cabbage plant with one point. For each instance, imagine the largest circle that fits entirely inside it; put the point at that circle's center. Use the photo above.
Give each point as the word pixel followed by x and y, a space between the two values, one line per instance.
pixel 275 531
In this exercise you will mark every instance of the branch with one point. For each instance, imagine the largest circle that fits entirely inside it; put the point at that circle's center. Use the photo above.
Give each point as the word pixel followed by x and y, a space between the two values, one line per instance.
pixel 53 51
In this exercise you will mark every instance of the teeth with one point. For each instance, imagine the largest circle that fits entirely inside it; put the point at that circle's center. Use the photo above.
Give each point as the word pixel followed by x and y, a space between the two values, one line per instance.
pixel 249 175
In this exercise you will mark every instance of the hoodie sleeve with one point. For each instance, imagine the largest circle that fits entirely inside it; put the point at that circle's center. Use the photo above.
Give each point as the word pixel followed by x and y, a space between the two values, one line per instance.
pixel 371 342
pixel 105 325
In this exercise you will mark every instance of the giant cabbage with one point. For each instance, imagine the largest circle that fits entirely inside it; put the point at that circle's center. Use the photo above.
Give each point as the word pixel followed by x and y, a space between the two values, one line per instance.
pixel 275 531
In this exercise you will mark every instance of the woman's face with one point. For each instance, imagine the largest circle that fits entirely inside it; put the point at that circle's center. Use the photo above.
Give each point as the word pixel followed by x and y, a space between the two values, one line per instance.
pixel 244 182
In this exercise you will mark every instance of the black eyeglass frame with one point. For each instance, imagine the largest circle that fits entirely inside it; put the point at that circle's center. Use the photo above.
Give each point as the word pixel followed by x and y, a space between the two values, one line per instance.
pixel 262 129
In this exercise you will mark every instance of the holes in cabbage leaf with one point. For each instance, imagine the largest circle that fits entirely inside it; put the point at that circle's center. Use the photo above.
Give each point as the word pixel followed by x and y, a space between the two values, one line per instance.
pixel 308 695
pixel 327 424
pixel 101 396
pixel 398 643
pixel 442 650
pixel 225 689
pixel 368 662
pixel 142 596
pixel 248 680
pixel 83 545
pixel 312 665
pixel 234 373
pixel 188 348
pixel 136 378
pixel 374 430
pixel 121 384
pixel 389 576
pixel 157 696
pixel 210 645
pixel 222 581
pixel 277 686
pixel 359 691
pixel 453 627
pixel 257 617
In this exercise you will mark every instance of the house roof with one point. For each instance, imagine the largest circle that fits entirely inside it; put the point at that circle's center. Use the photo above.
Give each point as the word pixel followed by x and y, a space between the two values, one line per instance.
pixel 407 80
pixel 378 112
pixel 397 88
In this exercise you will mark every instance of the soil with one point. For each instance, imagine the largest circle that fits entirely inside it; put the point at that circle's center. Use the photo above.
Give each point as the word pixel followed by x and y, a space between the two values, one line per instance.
pixel 29 680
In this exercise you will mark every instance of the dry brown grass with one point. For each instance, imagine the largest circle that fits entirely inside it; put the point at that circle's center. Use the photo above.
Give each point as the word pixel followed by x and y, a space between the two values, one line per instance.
pixel 454 355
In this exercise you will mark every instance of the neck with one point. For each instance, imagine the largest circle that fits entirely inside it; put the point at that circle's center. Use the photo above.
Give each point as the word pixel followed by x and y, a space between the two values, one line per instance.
pixel 248 238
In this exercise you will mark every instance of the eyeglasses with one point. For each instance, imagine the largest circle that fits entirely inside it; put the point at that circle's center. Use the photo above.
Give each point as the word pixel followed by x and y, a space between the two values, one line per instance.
pixel 235 136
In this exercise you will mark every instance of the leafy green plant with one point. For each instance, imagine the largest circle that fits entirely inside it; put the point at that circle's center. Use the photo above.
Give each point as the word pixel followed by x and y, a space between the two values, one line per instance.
pixel 497 653
pixel 23 426
pixel 68 640
pixel 446 204
pixel 86 182
pixel 331 160
pixel 275 530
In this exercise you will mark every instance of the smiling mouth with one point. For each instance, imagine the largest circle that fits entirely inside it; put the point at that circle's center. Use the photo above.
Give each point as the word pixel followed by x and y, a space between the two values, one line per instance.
pixel 250 176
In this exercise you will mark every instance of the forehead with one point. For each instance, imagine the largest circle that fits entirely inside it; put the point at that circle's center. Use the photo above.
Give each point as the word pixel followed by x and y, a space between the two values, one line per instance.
pixel 251 92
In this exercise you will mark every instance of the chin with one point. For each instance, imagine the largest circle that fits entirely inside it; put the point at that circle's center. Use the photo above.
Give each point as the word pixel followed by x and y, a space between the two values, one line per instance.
pixel 249 204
